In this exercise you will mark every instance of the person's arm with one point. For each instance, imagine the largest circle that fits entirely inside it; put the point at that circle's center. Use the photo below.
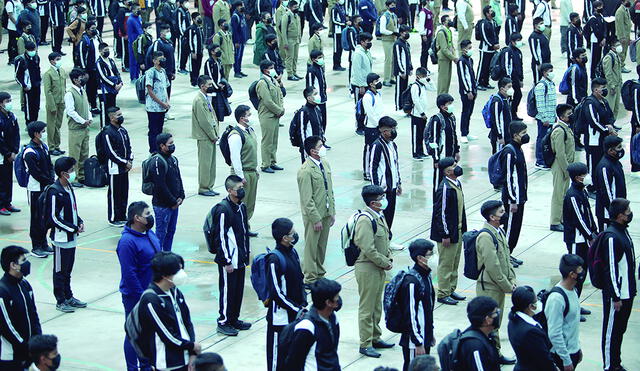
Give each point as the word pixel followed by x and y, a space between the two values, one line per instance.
pixel 486 37
pixel 487 250
pixel 398 57
pixel 420 25
pixel 274 271
pixel 496 117
pixel 307 204
pixel 301 343
pixel 418 101
pixel 558 146
pixel 7 327
pixel 265 98
pixel 205 119
pixel 56 207
pixel 539 10
pixel 113 155
pixel 375 156
pixel 581 224
pixel 534 46
pixel 364 239
pixel 541 100
pixel 537 344
pixel 607 179
pixel 104 75
pixel 158 318
pixel 411 301
pixel 384 30
pixel 70 108
pixel 612 259
pixel 129 266
pixel 316 16
pixel 554 311
pixel 477 359
pixel 512 181
pixel 224 254
pixel 47 86
pixel 83 53
pixel 235 150
pixel 464 76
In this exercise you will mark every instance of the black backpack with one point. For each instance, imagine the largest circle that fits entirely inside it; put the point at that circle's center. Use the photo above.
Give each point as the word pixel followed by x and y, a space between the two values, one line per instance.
pixel 253 94
pixel 147 178
pixel 101 146
pixel 581 125
pixel 224 143
pixel 496 71
pixel 94 174
pixel 433 50
pixel 207 228
pixel 627 94
pixel 449 348
pixel 469 238
pixel 44 208
pixel 600 66
pixel 133 327
pixel 547 150
pixel 295 129
pixel 543 295
pixel 406 100
pixel 478 30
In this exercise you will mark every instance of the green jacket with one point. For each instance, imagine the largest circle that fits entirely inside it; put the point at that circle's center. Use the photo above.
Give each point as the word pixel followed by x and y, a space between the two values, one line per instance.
pixel 623 23
pixel 316 202
pixel 223 39
pixel 270 97
pixel 374 248
pixel 260 46
pixel 497 272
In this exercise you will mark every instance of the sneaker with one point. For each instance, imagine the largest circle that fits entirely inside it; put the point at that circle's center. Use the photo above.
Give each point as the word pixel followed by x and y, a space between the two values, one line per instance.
pixel 75 303
pixel 4 211
pixel 47 249
pixel 13 209
pixel 169 117
pixel 118 224
pixel 464 140
pixel 241 325
pixel 38 253
pixel 542 167
pixel 183 72
pixel 472 137
pixel 65 308
pixel 397 246
pixel 227 330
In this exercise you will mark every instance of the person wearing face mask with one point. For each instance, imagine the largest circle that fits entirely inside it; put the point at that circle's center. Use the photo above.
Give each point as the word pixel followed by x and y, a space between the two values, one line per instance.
pixel 110 80
pixel 224 39
pixel 577 77
pixel 497 277
pixel 373 109
pixel 511 23
pixel 575 38
pixel 388 33
pixel 77 110
pixel 500 108
pixel 489 44
pixel 623 31
pixel 580 228
pixel 21 315
pixel 65 225
pixel 608 179
pixel 120 32
pixel 466 24
pixel 310 119
pixel 527 337
pixel 367 10
pixel 272 53
pixel 213 68
pixel 314 343
pixel 542 9
pixel 99 10
pixel 416 297
pixel 56 9
pixel 402 67
pixel 440 137
pixel 620 283
pixel 183 22
pixel 43 352
pixel 287 296
pixel 9 148
pixel 240 34
pixel 270 92
pixel 32 14
pixel 89 52
pixel 478 351
pixel 539 47
pixel 314 11
pixel 26 36
pixel 162 44
pixel 167 339
pixel 168 190
pixel 221 11
pixel 315 78
pixel 562 311
pixel 361 64
pixel 468 88
pixel 139 48
pixel 448 223
pixel 27 74
pixel 136 248
pixel 514 189
pixel 134 30
pixel 317 203
pixel 596 36
pixel 315 41
pixel 290 34
pixel 545 101
pixel 230 241
pixel 263 28
pixel 563 147
pixel 339 23
pixel 598 123
pixel 54 83
pixel 75 30
pixel 384 167
pixel 119 162
pixel 372 236
pixel 192 47
pixel 612 68
pixel 512 67
pixel 635 129
pixel 419 113
pixel 204 129
pixel 243 149
pixel 157 99
pixel 13 8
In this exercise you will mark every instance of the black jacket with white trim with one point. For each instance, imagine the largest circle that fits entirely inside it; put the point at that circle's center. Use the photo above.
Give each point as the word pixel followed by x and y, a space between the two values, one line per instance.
pixel 515 188
pixel 286 287
pixel 621 261
pixel 441 131
pixel 402 58
pixel 577 218
pixel 230 228
pixel 539 47
pixel 118 149
pixel 530 343
pixel 314 345
pixel 417 300
pixel 609 181
pixel 466 76
pixel 380 169
pixel 64 213
pixel 478 352
pixel 445 219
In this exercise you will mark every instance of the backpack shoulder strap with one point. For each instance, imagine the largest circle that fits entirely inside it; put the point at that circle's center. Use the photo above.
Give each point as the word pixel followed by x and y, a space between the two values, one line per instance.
pixel 564 296
pixel 281 259
pixel 374 225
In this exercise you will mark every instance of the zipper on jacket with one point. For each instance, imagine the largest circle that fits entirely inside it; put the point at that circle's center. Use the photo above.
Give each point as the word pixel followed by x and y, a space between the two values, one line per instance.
pixel 26 307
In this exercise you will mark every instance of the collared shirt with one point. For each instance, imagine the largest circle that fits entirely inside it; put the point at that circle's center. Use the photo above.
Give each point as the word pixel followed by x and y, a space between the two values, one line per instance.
pixel 70 106
pixel 159 82
pixel 528 319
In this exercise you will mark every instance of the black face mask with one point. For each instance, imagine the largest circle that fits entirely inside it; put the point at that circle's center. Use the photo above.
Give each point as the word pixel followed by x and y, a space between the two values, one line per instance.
pixel 225 27
pixel 172 148
pixel 210 89
pixel 368 45
pixel 405 36
pixel 578 24
pixel 199 21
pixel 581 276
pixel 296 237
pixel 25 268
pixel 605 92
pixel 525 139
pixel 496 321
pixel 339 304
pixel 378 86
pixel 620 153
pixel 241 10
pixel 392 10
pixel 629 218
pixel 394 135
pixel 120 120
pixel 584 60
pixel 599 10
pixel 150 222
pixel 218 54
pixel 274 46
pixel 267 21
pixel 240 194
pixel 457 171
pixel 55 363
pixel 571 118
pixel 138 13
pixel 163 62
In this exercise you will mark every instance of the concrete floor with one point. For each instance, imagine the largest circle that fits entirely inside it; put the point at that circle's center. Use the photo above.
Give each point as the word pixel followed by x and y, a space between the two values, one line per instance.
pixel 91 339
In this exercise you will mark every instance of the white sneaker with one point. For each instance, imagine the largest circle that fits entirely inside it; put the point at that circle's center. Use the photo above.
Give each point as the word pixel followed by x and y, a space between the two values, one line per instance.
pixel 464 140
pixel 472 137
pixel 396 246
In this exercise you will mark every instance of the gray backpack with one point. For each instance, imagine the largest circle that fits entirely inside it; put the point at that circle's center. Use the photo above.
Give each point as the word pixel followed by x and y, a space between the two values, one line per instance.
pixel 133 327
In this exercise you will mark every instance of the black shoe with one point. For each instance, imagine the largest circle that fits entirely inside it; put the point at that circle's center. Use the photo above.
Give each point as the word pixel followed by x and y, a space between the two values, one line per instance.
pixel 252 234
pixel 227 329
pixel 65 308
pixel 43 43
pixel 62 54
pixel 506 360
pixel 55 152
pixel 183 71
pixel 447 300
pixel 118 223
pixel 76 303
pixel 339 68
pixel 370 352
pixel 481 88
pixel 77 184
pixel 276 167
pixel 61 151
pixel 583 319
pixel 380 344
pixel 38 253
pixel 516 260
pixel 13 209
pixel 47 249
pixel 267 170
pixel 299 78
pixel 360 132
pixel 392 82
pixel 386 84
pixel 458 297
pixel 209 193
pixel 243 74
pixel 557 227
pixel 241 325
pixel 237 76
pixel 95 111
pixel 490 87
pixel 585 311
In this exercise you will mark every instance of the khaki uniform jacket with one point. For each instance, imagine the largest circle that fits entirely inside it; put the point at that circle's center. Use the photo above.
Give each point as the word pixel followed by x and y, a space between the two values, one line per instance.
pixel 563 145
pixel 22 40
pixel 498 273
pixel 204 124
pixel 315 43
pixel 223 38
pixel 374 249
pixel 444 44
pixel 316 202
pixel 612 68
pixel 55 86
pixel 623 23
pixel 270 97
pixel 221 10
pixel 290 28
pixel 75 30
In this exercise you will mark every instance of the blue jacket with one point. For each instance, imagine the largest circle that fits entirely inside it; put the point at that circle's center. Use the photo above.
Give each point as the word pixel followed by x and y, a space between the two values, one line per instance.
pixel 134 28
pixel 368 12
pixel 135 251
pixel 239 30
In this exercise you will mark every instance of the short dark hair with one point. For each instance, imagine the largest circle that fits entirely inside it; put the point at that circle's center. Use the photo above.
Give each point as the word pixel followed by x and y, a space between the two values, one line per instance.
pixel 164 27
pixel 211 47
pixel 135 208
pixel 443 17
pixel 489 208
pixel 35 127
pixel 516 126
pixel 371 193
pixel 64 164
pixel 203 79
pixel 265 64
pixel 515 36
pixel 522 297
pixel 231 181
pixel 264 15
pixel 598 82
pixel 292 3
pixel 280 228
pixel 618 206
pixel 102 45
pixel 611 141
pixel 562 108
pixel 371 77
pixel 487 9
pixel 308 91
pixel 54 55
pixel 443 99
pixel 194 15
pixel 419 247
pixel 310 143
pixel 537 20
pixel 157 54
pixel 76 73
pixel 163 138
pixel 597 3
pixel 424 362
pixel 569 263
pixel 241 111
pixel 479 308
pixel 4 96
pixel 404 28
pixel 30 45
pixel 422 71
pixel 464 43
pixel 513 8
pixel 446 162
pixel 270 37
pixel 364 36
pixel 323 290
pixel 573 15
pixel 576 169
pixel 316 26
pixel 112 110
pixel 208 361
pixel 545 67
pixel 577 52
pixel 315 54
pixel 504 82
pixel 165 263
pixel 41 345
pixel 221 21
pixel 389 2
pixel 387 122
pixel 11 254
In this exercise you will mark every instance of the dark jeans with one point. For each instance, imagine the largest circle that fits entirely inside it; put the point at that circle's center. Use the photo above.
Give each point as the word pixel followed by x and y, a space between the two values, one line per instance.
pixel 424 52
pixel 237 64
pixel 231 287
pixel 63 259
pixel 196 64
pixel 563 38
pixel 594 58
pixel 337 50
pixel 272 346
pixel 6 184
pixel 117 197
pixel 36 232
pixel 401 86
pixel 465 117
pixel 44 24
pixel 156 122
pixel 417 135
pixel 92 88
pixel 130 301
pixel 542 131
pixel 166 220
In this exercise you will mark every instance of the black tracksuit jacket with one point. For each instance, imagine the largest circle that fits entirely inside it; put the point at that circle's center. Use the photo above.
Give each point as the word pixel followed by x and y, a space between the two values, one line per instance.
pixel 515 188
pixel 577 216
pixel 608 178
pixel 317 335
pixel 445 218
pixel 167 182
pixel 622 268
pixel 230 233
pixel 417 298
pixel 286 287
pixel 9 134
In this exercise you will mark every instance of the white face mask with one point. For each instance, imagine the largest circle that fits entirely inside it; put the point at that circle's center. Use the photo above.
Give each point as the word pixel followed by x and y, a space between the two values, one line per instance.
pixel 510 92
pixel 619 49
pixel 72 177
pixel 273 73
pixel 424 80
pixel 551 75
pixel 587 180
pixel 322 152
pixel 179 278
pixel 469 53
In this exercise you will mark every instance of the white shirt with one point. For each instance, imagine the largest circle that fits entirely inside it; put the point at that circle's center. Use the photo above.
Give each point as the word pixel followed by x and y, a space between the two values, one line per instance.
pixel 461 9
pixel 566 8
pixel 373 108
pixel 16 8
pixel 543 10
pixel 235 150
pixel 420 99
pixel 70 107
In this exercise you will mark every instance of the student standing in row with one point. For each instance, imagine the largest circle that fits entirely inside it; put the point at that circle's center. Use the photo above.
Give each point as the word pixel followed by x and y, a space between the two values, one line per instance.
pixel 270 91
pixel 597 36
pixel 339 20
pixel 54 82
pixel 243 148
pixel 468 88
pixel 110 80
pixel 361 64
pixel 489 44
pixel 539 47
pixel 290 34
pixel 27 74
pixel 546 101
pixel 608 179
pixel 500 107
pixel 193 47
pixel 563 147
pixel 204 128
pixel 479 351
pixel 119 163
pixel 157 99
pixel 446 54
pixel 77 108
pixel 402 67
pixel 578 78
pixel 599 122
pixel 441 137
pixel 9 148
pixel 384 168
pixel 389 32
pixel 575 36
pixel 240 33
pixel 315 78
pixel 513 69
pixel 419 113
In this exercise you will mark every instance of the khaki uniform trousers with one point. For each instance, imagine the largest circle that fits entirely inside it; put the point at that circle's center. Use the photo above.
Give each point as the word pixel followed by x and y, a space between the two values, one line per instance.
pixel 387 46
pixel 79 149
pixel 315 249
pixel 437 8
pixel 444 75
pixel 560 186
pixel 251 190
pixel 623 56
pixel 291 57
pixel 206 165
pixel 54 123
pixel 464 34
pixel 370 281
pixel 613 98
pixel 448 261
pixel 269 144
pixel 226 69
pixel 547 33
pixel 499 297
